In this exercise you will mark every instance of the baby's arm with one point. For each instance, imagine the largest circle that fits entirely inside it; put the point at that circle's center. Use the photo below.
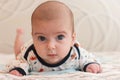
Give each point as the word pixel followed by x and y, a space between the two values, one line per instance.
pixel 18 66
pixel 88 62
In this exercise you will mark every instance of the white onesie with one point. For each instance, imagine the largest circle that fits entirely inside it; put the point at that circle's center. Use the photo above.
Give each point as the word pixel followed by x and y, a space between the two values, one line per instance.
pixel 29 61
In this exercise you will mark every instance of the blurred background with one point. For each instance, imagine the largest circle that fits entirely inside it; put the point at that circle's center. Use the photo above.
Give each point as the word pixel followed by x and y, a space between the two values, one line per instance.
pixel 97 22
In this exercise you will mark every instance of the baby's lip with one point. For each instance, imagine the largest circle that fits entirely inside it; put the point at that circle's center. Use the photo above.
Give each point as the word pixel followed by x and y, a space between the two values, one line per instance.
pixel 52 55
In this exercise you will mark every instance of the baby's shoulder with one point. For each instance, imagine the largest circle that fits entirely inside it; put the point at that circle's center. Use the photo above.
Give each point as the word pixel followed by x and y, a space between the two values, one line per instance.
pixel 79 47
pixel 77 44
pixel 26 46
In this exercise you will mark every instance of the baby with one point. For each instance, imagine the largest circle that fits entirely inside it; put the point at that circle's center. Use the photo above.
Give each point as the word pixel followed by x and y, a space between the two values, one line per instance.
pixel 53 46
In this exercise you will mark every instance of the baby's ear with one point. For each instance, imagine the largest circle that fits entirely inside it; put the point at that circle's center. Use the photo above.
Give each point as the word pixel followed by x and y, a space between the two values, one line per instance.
pixel 73 37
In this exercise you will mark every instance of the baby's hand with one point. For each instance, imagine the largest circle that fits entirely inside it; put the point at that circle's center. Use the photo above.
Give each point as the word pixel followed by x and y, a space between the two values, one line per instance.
pixel 94 68
pixel 15 72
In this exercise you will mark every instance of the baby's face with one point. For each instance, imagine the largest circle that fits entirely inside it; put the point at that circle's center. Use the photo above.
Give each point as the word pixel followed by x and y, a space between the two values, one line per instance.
pixel 52 39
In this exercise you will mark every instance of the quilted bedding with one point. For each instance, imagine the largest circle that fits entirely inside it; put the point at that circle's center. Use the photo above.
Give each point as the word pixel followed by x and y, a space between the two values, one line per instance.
pixel 110 64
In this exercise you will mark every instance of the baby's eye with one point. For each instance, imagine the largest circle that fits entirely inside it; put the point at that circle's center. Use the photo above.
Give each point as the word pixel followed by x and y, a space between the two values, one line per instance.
pixel 41 38
pixel 60 37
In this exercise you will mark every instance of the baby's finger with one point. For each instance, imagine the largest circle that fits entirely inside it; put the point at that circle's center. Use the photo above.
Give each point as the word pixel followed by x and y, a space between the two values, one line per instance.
pixel 89 70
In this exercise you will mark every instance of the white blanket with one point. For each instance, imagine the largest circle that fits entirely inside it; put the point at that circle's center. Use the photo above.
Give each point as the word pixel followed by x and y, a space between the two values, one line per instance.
pixel 110 64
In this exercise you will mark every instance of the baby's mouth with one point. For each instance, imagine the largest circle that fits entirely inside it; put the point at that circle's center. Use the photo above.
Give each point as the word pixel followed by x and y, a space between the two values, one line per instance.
pixel 52 55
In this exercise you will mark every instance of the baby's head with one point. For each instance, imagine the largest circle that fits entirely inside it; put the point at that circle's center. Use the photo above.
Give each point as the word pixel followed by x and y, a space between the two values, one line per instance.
pixel 52 31
pixel 53 10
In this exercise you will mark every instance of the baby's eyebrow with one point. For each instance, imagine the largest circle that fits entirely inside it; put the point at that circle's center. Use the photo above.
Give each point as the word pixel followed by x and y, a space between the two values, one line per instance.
pixel 62 32
pixel 37 33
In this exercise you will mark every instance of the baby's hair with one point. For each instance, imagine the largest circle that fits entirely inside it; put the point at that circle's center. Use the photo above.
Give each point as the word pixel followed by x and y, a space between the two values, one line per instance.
pixel 51 10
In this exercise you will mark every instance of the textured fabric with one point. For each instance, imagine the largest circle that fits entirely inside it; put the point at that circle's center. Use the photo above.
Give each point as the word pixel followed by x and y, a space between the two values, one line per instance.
pixel 110 70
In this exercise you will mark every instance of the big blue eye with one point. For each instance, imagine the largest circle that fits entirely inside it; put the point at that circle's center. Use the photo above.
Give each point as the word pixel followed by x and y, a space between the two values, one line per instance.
pixel 60 37
pixel 41 38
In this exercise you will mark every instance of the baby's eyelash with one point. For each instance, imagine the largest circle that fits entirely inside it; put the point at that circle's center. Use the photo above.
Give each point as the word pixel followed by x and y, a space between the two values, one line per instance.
pixel 60 37
pixel 41 38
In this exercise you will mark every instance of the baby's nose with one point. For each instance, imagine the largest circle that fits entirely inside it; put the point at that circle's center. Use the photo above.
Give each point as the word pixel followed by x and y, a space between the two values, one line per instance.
pixel 51 45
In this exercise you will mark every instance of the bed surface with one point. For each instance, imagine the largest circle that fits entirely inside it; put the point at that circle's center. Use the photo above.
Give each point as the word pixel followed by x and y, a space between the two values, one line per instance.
pixel 110 64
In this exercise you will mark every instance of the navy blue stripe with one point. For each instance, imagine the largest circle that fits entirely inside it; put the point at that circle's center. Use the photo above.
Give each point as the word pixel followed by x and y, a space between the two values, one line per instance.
pixel 20 70
pixel 51 65
pixel 84 69
pixel 27 52
pixel 77 51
